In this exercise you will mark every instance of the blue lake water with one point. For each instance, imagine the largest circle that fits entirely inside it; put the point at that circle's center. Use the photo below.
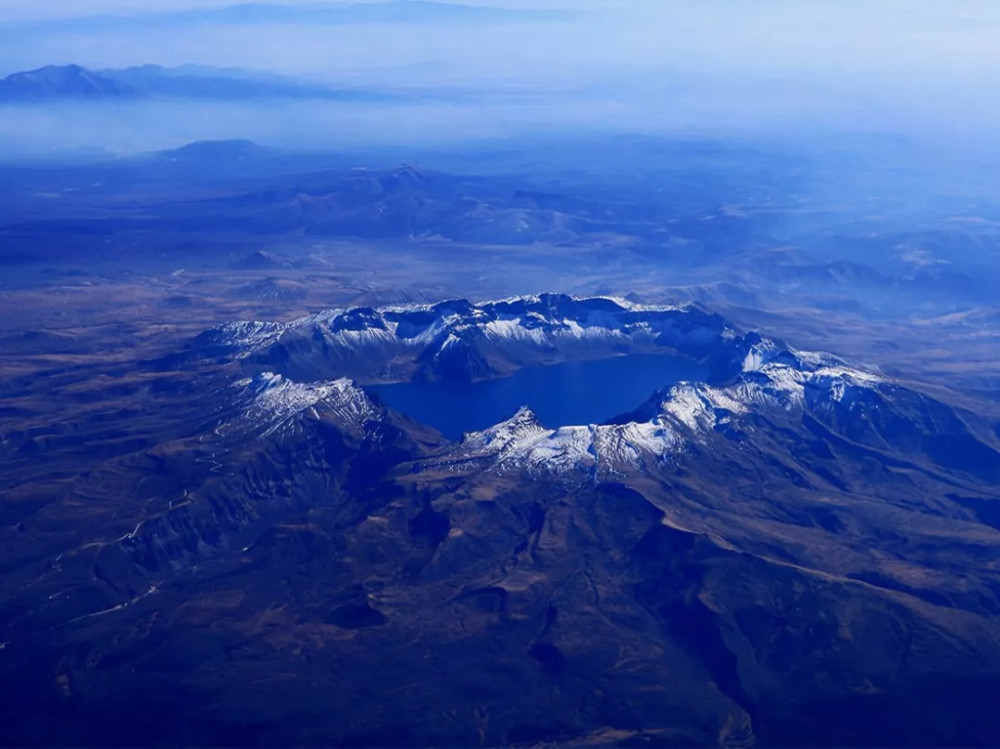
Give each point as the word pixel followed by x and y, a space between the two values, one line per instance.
pixel 574 393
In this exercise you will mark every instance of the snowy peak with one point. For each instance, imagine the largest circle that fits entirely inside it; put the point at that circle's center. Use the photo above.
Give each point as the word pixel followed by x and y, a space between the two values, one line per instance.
pixel 236 340
pixel 276 402
pixel 596 450
pixel 522 425
pixel 772 377
pixel 698 408
pixel 522 443
pixel 764 352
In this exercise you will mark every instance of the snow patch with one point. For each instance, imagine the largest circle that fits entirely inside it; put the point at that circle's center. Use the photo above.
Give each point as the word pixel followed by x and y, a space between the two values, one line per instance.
pixel 277 401
pixel 687 413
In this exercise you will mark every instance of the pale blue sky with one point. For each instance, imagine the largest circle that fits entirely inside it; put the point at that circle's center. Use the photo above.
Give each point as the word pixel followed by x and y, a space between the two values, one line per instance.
pixel 69 8
pixel 893 38
pixel 913 66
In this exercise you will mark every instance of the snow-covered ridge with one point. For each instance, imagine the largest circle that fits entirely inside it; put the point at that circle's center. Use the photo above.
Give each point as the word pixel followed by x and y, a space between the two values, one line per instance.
pixel 245 336
pixel 700 407
pixel 522 443
pixel 515 331
pixel 276 401
pixel 750 374
pixel 458 338
pixel 252 333
pixel 453 306
pixel 773 379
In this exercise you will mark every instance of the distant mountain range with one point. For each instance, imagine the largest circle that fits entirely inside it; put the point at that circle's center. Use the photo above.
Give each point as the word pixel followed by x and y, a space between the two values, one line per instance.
pixel 55 83
pixel 269 193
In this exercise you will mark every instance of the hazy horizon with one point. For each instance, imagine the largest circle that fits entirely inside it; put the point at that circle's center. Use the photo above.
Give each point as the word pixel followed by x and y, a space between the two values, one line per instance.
pixel 908 68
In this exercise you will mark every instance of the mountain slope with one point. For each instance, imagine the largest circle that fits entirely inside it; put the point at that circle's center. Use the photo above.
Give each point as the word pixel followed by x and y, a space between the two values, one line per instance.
pixel 745 559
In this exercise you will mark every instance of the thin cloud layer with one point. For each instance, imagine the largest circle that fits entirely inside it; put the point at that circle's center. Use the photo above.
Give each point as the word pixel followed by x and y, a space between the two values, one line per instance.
pixel 908 66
